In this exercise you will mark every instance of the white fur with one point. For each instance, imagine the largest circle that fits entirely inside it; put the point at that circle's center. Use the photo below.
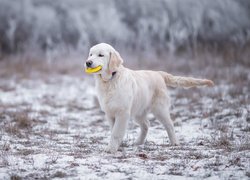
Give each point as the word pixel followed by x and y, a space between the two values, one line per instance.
pixel 130 95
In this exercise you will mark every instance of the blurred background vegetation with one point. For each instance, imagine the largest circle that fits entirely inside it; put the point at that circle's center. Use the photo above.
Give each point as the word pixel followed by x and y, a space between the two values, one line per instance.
pixel 141 28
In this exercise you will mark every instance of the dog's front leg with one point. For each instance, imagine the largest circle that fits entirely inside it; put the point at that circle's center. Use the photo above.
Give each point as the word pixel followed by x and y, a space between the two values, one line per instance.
pixel 111 121
pixel 118 132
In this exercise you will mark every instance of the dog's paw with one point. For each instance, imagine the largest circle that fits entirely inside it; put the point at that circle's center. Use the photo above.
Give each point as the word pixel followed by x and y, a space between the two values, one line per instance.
pixel 110 149
pixel 176 143
pixel 107 149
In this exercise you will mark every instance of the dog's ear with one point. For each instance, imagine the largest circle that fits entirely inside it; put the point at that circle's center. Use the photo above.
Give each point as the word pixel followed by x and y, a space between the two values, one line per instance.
pixel 115 61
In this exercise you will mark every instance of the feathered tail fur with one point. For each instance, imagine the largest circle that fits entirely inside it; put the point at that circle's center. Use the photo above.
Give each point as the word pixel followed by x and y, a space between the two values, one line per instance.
pixel 185 82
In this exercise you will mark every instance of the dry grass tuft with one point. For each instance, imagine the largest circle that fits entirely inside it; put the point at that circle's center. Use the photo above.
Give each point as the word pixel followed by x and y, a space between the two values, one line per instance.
pixel 23 120
pixel 6 147
pixel 12 129
pixel 17 123
pixel 59 174
pixel 222 136
pixel 176 169
pixel 244 143
pixel 222 140
pixel 4 160
pixel 235 161
pixel 15 177
pixel 194 155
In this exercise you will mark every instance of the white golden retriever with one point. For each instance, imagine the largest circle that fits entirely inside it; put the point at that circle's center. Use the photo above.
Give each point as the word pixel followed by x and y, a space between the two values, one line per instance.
pixel 124 94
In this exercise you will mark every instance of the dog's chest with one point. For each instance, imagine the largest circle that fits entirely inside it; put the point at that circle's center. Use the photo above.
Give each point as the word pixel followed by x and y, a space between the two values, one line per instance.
pixel 112 96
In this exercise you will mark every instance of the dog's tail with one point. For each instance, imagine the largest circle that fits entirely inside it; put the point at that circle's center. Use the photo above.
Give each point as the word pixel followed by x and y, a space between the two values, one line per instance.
pixel 185 82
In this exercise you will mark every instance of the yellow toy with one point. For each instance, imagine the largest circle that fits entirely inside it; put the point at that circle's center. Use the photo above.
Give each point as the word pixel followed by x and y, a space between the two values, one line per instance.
pixel 93 70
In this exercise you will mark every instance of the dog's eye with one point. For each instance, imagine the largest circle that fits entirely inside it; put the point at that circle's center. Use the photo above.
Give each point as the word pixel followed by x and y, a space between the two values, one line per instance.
pixel 90 55
pixel 100 55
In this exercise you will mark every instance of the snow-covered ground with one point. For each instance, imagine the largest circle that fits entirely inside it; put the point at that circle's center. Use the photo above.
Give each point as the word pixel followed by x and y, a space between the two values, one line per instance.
pixel 51 127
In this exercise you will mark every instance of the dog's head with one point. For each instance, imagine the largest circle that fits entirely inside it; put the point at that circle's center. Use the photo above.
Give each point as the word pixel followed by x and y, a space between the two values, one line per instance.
pixel 103 59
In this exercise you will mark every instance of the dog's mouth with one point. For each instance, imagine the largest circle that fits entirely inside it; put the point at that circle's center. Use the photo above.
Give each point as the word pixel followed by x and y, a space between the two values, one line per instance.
pixel 93 70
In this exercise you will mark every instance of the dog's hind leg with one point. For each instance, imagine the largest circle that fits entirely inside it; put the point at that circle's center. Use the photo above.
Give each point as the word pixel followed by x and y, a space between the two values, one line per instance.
pixel 144 124
pixel 161 112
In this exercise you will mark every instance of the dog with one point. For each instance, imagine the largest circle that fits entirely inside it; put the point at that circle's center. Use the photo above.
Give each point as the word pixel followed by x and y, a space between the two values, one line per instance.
pixel 125 94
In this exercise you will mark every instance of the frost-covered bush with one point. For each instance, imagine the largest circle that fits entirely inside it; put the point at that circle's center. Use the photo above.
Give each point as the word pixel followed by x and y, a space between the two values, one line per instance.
pixel 141 25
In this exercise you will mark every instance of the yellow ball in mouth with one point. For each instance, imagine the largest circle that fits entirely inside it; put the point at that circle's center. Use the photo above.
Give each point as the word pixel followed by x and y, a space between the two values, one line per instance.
pixel 93 70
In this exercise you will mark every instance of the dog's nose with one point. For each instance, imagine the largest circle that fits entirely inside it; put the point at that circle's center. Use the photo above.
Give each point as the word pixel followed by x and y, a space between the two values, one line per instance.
pixel 89 63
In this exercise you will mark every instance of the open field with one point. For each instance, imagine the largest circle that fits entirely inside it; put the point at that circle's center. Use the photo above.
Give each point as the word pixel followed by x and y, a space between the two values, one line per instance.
pixel 51 125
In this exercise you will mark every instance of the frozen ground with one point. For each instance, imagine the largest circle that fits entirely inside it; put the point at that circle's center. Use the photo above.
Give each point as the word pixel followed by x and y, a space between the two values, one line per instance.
pixel 51 127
